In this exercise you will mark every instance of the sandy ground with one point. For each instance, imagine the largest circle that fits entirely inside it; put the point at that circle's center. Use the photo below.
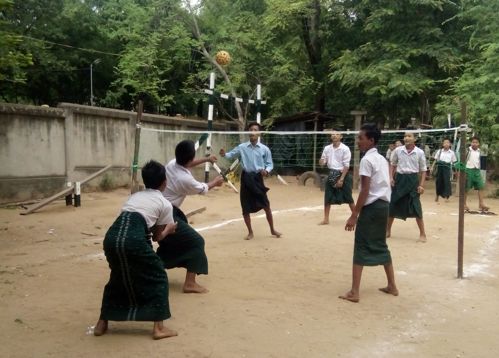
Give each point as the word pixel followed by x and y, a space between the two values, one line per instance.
pixel 268 297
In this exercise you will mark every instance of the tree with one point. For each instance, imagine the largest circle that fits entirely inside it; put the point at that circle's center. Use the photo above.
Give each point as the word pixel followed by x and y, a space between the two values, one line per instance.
pixel 404 57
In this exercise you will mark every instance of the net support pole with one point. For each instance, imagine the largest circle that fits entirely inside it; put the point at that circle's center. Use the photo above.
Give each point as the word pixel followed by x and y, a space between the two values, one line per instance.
pixel 314 161
pixel 462 188
pixel 211 104
pixel 135 165
pixel 356 152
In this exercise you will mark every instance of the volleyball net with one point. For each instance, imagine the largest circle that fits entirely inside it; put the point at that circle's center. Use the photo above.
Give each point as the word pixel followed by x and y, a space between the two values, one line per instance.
pixel 293 152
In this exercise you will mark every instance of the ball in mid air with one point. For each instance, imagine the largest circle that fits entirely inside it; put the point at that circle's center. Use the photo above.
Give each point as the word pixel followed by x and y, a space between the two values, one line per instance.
pixel 222 58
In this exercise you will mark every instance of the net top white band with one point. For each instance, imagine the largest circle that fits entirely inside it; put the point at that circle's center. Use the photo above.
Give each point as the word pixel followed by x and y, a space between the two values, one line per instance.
pixel 325 132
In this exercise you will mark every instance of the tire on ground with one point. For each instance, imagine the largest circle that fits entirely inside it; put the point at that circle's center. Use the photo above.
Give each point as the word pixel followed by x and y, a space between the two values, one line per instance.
pixel 310 175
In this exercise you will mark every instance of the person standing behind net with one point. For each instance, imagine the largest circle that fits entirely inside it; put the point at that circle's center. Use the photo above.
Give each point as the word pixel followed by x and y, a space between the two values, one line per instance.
pixel 138 285
pixel 473 175
pixel 408 175
pixel 185 248
pixel 444 159
pixel 256 161
pixel 370 214
pixel 338 188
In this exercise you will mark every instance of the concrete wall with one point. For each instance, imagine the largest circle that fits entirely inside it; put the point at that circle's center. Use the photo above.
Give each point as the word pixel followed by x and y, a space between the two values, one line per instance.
pixel 42 148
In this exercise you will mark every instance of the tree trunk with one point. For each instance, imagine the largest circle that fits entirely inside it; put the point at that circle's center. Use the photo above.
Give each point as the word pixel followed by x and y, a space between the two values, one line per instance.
pixel 313 44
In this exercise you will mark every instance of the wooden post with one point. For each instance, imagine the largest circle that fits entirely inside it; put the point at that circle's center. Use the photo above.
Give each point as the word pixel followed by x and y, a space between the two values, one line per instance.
pixel 77 194
pixel 356 152
pixel 135 165
pixel 462 188
pixel 69 197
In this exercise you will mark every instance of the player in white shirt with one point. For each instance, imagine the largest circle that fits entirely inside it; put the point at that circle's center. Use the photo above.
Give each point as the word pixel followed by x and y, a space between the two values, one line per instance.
pixel 185 248
pixel 338 189
pixel 408 175
pixel 473 175
pixel 370 214
pixel 444 159
pixel 138 286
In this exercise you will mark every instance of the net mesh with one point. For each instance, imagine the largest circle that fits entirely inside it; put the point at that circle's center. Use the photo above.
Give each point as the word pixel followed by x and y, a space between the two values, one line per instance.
pixel 292 152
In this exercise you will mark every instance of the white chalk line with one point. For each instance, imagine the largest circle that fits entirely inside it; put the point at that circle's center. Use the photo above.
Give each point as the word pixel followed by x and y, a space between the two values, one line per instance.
pixel 284 211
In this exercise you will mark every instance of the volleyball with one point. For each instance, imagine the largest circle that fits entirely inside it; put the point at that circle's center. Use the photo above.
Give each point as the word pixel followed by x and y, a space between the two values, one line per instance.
pixel 222 58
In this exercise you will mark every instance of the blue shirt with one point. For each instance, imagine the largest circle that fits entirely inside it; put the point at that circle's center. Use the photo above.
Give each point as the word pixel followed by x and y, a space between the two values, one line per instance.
pixel 253 157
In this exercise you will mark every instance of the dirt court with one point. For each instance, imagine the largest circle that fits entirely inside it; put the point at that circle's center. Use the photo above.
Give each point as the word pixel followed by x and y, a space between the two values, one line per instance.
pixel 268 297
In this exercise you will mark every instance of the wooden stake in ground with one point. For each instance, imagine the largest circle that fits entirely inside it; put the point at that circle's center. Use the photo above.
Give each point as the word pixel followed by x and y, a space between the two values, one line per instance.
pixel 135 165
pixel 64 192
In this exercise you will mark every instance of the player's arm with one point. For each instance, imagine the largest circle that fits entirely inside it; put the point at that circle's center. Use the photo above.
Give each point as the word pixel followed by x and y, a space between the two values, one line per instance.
pixel 323 160
pixel 212 159
pixel 236 152
pixel 346 167
pixel 361 200
pixel 393 166
pixel 269 164
pixel 159 232
pixel 422 173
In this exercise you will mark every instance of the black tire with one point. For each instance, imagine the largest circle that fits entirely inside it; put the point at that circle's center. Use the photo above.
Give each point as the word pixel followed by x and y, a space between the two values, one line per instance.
pixel 310 175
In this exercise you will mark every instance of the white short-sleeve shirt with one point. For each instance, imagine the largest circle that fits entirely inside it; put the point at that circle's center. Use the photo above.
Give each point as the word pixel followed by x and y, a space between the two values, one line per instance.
pixel 473 161
pixel 337 158
pixel 375 166
pixel 447 156
pixel 180 183
pixel 408 163
pixel 151 204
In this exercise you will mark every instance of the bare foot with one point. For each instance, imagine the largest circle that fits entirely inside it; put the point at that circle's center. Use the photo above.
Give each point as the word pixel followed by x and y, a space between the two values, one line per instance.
pixel 388 234
pixel 100 328
pixel 324 222
pixel 248 237
pixel 194 288
pixel 276 233
pixel 160 333
pixel 436 199
pixel 390 290
pixel 349 296
pixel 484 208
pixel 422 238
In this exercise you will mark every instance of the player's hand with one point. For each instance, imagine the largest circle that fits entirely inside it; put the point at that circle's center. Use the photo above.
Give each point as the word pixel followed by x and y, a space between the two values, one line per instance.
pixel 212 159
pixel 264 173
pixel 420 190
pixel 351 222
pixel 222 152
pixel 170 228
pixel 339 183
pixel 322 162
pixel 219 180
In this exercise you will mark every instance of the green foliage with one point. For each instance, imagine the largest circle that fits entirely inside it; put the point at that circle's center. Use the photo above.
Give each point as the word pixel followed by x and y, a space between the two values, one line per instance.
pixel 13 60
pixel 395 58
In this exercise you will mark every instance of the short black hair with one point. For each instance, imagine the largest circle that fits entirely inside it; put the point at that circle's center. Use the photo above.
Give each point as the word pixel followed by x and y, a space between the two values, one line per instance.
pixel 251 124
pixel 371 131
pixel 153 174
pixel 475 138
pixel 185 152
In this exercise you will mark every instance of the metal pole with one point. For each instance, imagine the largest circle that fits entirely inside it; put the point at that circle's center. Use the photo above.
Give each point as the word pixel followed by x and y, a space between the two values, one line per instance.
pixel 91 85
pixel 211 103
pixel 135 165
pixel 462 184
pixel 258 104
pixel 314 160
